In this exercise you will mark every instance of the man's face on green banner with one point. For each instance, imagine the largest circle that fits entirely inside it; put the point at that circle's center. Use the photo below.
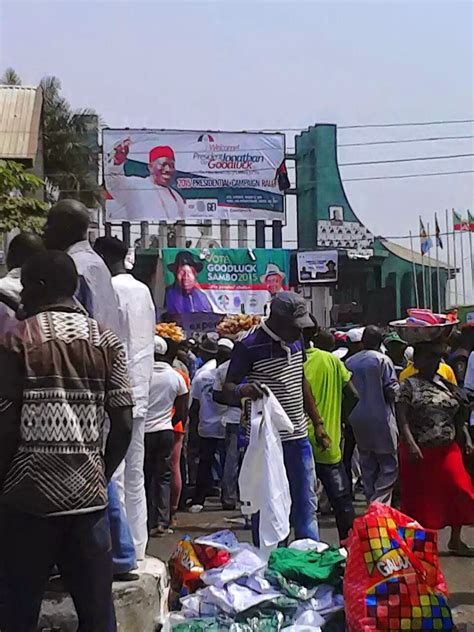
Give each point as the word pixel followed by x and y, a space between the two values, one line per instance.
pixel 274 283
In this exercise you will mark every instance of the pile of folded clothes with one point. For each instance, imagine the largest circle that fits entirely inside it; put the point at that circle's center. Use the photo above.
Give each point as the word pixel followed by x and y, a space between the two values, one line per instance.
pixel 220 584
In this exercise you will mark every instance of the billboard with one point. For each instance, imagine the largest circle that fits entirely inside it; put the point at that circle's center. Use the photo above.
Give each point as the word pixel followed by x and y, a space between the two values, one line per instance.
pixel 319 266
pixel 223 280
pixel 153 175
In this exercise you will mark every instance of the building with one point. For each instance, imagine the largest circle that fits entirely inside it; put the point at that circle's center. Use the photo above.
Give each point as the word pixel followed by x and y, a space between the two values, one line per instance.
pixel 20 126
pixel 20 134
pixel 376 277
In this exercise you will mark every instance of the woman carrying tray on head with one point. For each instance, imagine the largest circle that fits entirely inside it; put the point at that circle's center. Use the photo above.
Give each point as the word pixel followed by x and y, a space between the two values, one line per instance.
pixel 436 490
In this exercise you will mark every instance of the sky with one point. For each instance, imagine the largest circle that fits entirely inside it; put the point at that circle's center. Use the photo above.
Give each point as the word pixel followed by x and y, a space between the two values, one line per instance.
pixel 274 65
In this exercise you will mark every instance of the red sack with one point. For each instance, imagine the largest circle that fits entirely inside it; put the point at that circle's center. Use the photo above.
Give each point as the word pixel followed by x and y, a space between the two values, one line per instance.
pixel 392 579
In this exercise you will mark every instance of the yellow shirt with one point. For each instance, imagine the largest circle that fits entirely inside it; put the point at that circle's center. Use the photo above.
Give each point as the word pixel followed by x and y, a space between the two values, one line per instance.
pixel 444 370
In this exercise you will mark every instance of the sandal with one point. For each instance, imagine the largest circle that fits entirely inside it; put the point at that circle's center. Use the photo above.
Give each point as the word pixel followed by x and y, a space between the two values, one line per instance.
pixel 462 551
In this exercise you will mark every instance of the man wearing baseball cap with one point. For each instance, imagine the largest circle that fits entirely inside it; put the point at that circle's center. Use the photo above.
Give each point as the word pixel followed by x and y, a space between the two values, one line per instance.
pixel 273 355
pixel 140 191
pixel 395 349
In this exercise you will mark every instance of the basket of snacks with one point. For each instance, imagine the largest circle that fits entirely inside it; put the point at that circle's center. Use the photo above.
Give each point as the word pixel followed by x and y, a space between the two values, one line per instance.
pixel 171 331
pixel 235 324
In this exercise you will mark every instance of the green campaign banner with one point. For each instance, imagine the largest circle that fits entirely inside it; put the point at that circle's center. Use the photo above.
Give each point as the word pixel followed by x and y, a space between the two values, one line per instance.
pixel 223 280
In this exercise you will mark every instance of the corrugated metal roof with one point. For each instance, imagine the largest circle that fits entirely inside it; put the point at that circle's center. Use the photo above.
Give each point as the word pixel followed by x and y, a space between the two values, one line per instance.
pixel 20 115
pixel 406 253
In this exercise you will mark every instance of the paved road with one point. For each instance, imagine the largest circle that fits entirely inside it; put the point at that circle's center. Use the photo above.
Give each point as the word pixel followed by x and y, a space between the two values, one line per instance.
pixel 458 572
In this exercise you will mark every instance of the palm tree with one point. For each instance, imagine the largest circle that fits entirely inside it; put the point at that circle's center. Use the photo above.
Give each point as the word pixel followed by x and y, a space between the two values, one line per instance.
pixel 10 78
pixel 70 146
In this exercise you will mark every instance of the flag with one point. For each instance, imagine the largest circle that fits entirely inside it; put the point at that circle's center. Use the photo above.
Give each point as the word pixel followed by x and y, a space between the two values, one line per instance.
pixel 425 239
pixel 459 223
pixel 470 219
pixel 282 177
pixel 439 241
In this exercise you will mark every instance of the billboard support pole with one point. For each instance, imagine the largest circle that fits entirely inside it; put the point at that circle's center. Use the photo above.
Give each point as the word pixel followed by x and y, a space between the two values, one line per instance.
pixel 180 231
pixel 277 235
pixel 145 234
pixel 162 235
pixel 242 234
pixel 126 233
pixel 260 234
pixel 225 233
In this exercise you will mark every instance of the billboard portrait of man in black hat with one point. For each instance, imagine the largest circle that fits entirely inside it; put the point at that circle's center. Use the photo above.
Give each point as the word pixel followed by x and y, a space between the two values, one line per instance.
pixel 331 272
pixel 185 296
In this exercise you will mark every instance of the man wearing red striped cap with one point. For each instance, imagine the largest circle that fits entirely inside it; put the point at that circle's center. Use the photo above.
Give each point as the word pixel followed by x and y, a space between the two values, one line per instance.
pixel 152 199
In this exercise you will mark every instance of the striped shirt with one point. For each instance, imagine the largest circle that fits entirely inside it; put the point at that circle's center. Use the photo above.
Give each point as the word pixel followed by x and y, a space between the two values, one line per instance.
pixel 260 357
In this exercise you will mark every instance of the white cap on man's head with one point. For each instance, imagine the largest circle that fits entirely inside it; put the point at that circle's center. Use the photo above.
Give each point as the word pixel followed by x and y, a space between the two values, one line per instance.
pixel 161 347
pixel 226 343
pixel 341 352
pixel 355 335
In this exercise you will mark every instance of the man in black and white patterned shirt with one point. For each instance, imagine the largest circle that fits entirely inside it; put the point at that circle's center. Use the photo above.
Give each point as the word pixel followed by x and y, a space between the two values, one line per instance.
pixel 61 372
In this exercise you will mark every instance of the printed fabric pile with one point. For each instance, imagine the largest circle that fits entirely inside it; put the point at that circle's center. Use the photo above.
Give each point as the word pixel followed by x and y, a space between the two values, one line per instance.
pixel 218 583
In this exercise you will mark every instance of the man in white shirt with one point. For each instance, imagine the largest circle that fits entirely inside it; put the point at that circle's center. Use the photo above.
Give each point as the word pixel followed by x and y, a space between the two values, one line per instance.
pixel 231 421
pixel 207 415
pixel 206 359
pixel 66 229
pixel 21 248
pixel 143 191
pixel 137 332
pixel 168 404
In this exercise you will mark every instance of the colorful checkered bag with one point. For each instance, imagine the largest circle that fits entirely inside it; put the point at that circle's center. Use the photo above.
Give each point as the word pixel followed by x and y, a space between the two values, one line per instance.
pixel 392 579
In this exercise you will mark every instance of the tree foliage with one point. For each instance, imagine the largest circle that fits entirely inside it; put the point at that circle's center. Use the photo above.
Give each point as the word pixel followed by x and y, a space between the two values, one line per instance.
pixel 10 78
pixel 18 206
pixel 70 152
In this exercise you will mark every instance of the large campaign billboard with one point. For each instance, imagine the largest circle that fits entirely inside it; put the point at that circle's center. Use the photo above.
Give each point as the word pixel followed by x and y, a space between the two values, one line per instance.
pixel 153 175
pixel 223 280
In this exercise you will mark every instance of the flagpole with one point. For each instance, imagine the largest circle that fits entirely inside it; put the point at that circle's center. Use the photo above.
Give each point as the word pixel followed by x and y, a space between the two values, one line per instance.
pixel 463 275
pixel 448 282
pixel 415 281
pixel 430 286
pixel 439 307
pixel 422 268
pixel 455 267
pixel 470 248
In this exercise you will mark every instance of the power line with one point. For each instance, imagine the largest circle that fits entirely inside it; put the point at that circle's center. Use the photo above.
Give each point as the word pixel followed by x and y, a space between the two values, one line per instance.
pixel 373 125
pixel 394 160
pixel 404 140
pixel 410 124
pixel 278 129
pixel 409 175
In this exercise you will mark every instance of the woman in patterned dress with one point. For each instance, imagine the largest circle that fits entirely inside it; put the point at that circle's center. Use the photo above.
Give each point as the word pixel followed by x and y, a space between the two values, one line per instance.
pixel 436 490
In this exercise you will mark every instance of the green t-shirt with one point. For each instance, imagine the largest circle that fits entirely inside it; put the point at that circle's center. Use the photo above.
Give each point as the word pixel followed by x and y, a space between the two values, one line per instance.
pixel 327 377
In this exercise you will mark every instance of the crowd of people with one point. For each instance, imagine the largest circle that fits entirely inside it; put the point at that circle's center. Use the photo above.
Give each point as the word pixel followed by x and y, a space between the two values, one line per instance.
pixel 108 426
